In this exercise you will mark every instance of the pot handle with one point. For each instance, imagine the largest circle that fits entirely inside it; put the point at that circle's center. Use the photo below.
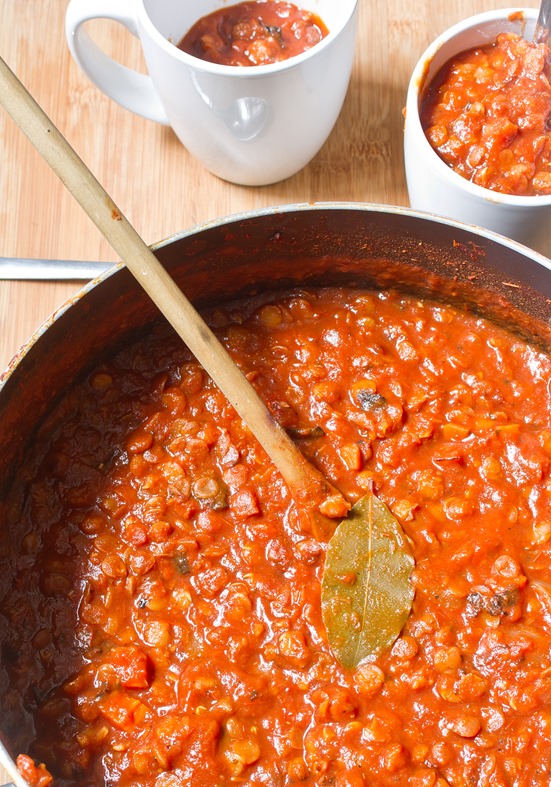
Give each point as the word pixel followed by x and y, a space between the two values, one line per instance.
pixel 129 88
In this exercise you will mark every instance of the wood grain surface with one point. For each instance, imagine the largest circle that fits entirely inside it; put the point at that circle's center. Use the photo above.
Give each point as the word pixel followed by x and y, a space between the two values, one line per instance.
pixel 150 175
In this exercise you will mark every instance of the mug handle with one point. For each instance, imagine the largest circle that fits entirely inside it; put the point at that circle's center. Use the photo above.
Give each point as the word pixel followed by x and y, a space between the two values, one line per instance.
pixel 129 88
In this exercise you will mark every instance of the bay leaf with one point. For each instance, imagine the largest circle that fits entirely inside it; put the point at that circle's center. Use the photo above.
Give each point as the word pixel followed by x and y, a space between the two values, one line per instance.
pixel 367 592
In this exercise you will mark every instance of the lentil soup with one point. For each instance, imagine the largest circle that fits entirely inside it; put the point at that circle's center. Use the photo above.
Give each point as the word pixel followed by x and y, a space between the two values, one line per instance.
pixel 160 603
pixel 253 34
pixel 487 113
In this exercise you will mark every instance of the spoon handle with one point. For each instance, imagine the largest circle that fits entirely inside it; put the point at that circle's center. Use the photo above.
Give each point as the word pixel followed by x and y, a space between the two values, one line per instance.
pixel 23 268
pixel 301 477
pixel 543 25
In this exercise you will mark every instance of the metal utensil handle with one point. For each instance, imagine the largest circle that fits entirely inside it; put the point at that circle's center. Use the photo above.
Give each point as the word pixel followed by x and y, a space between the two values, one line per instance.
pixel 543 24
pixel 21 268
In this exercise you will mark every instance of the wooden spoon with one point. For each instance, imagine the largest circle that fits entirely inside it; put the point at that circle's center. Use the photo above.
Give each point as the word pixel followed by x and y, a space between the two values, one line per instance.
pixel 305 482
pixel 368 563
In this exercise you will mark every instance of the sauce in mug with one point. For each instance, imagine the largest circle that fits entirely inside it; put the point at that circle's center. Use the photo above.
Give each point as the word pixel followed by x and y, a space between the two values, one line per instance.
pixel 253 34
pixel 488 113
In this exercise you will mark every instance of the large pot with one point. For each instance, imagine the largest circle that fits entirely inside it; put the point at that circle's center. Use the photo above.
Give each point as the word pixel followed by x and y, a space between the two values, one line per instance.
pixel 362 245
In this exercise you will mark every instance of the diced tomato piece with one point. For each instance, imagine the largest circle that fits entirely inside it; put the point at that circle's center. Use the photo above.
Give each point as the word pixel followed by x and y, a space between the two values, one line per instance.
pixel 131 666
pixel 34 775
pixel 122 710
pixel 245 503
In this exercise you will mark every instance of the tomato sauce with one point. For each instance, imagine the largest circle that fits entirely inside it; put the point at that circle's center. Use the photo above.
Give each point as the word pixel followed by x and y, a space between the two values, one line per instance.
pixel 160 600
pixel 488 115
pixel 254 34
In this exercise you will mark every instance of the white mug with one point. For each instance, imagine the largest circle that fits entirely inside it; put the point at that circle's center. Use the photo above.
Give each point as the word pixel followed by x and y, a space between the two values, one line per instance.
pixel 432 185
pixel 250 125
